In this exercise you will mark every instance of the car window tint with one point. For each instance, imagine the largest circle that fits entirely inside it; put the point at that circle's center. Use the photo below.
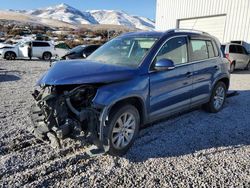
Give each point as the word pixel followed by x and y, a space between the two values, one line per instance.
pixel 216 51
pixel 240 50
pixel 244 50
pixel 232 49
pixel 199 50
pixel 35 44
pixel 223 47
pixel 40 44
pixel 175 49
pixel 90 49
pixel 210 49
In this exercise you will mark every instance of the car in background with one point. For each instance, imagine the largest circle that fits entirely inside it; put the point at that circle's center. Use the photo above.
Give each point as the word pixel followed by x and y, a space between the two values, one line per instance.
pixel 132 80
pixel 61 49
pixel 237 55
pixel 81 52
pixel 40 49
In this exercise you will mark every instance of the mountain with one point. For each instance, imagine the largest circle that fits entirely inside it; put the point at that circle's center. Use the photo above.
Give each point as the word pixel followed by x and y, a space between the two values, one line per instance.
pixel 65 13
pixel 121 18
pixel 71 15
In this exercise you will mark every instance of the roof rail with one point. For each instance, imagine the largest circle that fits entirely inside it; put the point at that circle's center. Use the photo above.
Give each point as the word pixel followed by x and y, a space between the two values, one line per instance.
pixel 186 30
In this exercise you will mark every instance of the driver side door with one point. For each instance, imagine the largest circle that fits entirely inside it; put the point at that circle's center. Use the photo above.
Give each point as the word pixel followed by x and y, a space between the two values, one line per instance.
pixel 23 50
pixel 170 90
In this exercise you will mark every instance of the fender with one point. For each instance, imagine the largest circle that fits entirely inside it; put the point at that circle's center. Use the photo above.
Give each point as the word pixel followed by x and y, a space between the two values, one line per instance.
pixel 221 76
pixel 107 95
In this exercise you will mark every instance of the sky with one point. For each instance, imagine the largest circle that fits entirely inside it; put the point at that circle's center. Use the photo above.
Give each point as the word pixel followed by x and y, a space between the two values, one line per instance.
pixel 144 8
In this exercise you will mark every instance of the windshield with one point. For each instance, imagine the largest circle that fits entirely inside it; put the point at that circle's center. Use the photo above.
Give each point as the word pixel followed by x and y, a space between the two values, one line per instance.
pixel 127 51
pixel 77 49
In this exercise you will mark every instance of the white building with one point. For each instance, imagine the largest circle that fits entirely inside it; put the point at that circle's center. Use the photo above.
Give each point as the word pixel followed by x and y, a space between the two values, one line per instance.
pixel 228 20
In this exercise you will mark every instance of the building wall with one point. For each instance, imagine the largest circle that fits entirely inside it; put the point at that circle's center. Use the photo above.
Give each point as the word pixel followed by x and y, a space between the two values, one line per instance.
pixel 237 13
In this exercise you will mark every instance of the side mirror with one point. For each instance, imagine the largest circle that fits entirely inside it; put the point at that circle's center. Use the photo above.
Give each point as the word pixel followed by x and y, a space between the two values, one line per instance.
pixel 164 64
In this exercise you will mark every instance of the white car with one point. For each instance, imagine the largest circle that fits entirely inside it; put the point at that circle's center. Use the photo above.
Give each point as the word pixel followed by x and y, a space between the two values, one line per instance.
pixel 237 55
pixel 40 49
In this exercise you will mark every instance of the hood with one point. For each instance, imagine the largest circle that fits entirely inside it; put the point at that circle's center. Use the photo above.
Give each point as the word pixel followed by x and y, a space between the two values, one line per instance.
pixel 85 72
pixel 6 46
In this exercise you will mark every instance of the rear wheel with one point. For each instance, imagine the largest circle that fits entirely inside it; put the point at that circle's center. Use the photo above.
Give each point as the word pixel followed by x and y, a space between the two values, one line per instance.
pixel 232 67
pixel 217 98
pixel 47 56
pixel 10 56
pixel 124 127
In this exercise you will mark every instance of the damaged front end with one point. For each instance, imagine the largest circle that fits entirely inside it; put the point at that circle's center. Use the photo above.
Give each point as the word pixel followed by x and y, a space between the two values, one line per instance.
pixel 67 112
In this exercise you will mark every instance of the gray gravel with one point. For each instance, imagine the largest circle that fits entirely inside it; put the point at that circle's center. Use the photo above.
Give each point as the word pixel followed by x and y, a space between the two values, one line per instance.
pixel 195 149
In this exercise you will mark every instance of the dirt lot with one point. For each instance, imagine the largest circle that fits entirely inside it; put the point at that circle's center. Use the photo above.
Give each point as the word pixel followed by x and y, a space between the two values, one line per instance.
pixel 195 149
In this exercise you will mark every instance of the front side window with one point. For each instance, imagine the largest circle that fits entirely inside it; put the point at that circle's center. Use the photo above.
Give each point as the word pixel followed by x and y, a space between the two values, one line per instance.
pixel 174 49
pixel 125 51
pixel 198 50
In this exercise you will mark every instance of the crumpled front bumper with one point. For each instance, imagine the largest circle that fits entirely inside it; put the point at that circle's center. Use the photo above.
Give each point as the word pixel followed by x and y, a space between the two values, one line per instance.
pixel 58 136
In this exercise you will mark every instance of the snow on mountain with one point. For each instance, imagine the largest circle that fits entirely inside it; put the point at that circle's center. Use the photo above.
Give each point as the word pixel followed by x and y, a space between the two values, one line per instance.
pixel 66 13
pixel 121 18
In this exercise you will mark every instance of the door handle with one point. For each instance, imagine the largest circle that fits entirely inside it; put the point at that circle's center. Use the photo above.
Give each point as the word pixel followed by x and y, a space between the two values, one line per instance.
pixel 189 74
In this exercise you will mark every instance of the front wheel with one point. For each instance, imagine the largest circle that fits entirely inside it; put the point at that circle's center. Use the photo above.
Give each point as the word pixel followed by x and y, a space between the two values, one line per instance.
pixel 47 56
pixel 217 98
pixel 124 127
pixel 10 56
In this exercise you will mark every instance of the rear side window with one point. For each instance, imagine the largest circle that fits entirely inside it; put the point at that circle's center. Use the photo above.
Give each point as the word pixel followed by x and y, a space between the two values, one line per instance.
pixel 210 49
pixel 232 49
pixel 91 49
pixel 41 44
pixel 199 50
pixel 241 50
pixel 175 49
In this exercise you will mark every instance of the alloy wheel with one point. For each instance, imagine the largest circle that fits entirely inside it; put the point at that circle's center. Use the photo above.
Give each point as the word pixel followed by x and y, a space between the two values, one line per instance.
pixel 123 130
pixel 219 97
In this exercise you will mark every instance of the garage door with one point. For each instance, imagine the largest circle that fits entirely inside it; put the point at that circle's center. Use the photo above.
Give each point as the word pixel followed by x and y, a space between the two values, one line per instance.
pixel 214 25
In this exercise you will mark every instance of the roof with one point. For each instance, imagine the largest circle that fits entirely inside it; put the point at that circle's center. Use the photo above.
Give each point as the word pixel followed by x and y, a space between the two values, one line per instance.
pixel 171 31
pixel 144 34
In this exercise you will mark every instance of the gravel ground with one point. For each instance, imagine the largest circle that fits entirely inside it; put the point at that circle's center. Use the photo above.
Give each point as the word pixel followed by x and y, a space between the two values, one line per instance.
pixel 196 149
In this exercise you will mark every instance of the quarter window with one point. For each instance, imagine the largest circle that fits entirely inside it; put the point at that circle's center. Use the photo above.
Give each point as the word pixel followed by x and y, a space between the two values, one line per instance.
pixel 175 49
pixel 210 49
pixel 198 50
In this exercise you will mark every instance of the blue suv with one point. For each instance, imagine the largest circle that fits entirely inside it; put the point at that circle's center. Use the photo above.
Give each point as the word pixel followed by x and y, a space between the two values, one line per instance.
pixel 132 80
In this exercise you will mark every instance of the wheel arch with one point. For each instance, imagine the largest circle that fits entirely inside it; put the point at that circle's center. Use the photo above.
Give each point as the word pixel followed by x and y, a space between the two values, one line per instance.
pixel 225 80
pixel 10 52
pixel 136 101
pixel 46 52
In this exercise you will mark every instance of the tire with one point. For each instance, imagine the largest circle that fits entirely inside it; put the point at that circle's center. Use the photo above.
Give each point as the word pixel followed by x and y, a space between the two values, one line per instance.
pixel 10 56
pixel 217 98
pixel 47 56
pixel 232 67
pixel 248 66
pixel 121 138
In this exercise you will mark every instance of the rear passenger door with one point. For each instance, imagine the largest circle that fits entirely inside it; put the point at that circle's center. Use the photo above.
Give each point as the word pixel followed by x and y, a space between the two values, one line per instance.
pixel 204 56
pixel 36 49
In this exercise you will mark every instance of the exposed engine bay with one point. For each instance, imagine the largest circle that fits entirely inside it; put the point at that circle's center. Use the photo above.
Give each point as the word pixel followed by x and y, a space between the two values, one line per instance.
pixel 64 112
